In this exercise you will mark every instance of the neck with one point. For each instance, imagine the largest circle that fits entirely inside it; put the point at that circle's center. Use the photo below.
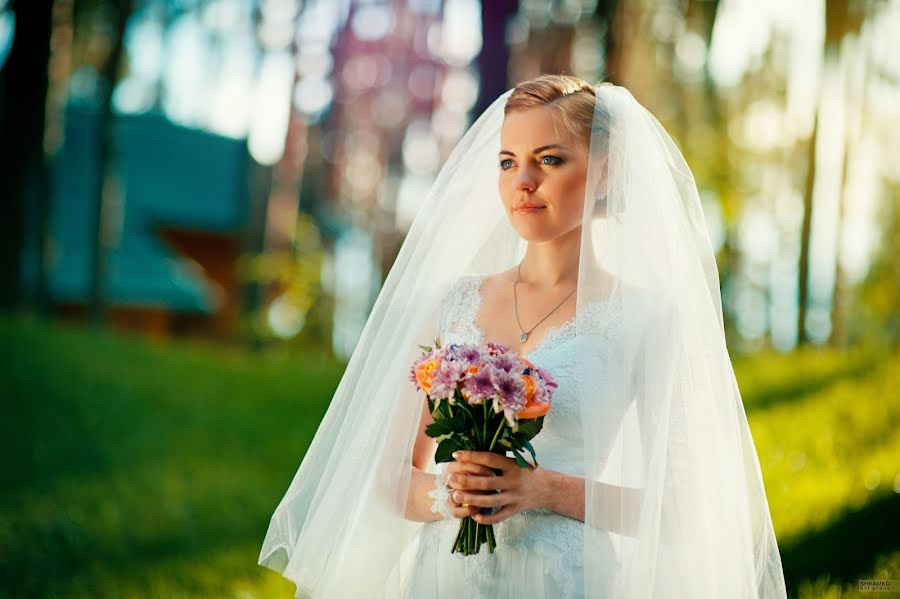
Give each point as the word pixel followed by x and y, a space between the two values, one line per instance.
pixel 552 263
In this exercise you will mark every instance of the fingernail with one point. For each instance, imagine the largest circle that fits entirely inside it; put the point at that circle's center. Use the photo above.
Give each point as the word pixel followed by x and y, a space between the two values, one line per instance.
pixel 455 454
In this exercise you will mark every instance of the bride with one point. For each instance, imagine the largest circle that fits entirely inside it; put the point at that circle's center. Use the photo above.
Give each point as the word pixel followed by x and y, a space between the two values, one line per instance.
pixel 566 226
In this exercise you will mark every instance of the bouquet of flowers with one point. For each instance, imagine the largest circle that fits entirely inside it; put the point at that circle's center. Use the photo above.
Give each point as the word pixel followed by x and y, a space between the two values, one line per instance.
pixel 482 398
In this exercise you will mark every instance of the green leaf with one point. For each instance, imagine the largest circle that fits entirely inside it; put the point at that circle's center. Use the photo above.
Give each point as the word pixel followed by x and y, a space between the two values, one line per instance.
pixel 520 460
pixel 467 441
pixel 531 451
pixel 458 422
pixel 438 428
pixel 531 427
pixel 445 449
pixel 443 406
pixel 516 442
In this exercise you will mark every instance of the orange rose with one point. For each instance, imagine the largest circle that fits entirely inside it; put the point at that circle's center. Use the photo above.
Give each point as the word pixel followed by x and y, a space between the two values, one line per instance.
pixel 533 408
pixel 425 373
pixel 530 386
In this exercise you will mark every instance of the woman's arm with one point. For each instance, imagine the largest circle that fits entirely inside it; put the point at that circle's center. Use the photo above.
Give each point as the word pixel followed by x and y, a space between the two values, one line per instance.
pixel 418 505
pixel 565 494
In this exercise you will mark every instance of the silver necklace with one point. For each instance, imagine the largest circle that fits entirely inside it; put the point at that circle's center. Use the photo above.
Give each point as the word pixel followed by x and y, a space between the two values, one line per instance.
pixel 524 334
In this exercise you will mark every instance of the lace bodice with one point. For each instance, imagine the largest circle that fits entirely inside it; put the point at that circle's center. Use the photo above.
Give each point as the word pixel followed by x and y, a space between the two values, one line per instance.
pixel 559 445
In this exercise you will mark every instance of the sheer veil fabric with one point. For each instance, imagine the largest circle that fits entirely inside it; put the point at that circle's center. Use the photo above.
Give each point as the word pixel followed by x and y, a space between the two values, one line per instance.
pixel 670 466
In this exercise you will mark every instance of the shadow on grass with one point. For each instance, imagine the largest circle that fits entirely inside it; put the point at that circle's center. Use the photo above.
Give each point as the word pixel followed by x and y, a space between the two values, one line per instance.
pixel 798 389
pixel 132 525
pixel 848 548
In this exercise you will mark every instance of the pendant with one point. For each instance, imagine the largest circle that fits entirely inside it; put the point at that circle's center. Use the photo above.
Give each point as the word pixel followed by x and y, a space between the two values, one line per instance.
pixel 523 337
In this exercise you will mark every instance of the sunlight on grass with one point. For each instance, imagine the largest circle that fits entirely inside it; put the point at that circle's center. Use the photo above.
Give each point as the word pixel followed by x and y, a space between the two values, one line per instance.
pixel 829 450
pixel 151 470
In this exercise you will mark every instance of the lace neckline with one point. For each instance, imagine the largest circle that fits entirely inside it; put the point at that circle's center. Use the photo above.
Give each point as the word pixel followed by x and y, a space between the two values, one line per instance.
pixel 551 333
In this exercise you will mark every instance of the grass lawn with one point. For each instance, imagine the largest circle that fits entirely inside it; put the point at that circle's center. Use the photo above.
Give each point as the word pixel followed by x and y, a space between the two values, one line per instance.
pixel 134 469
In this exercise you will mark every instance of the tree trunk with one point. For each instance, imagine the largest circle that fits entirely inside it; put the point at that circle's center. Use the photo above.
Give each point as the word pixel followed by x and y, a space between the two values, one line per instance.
pixel 100 235
pixel 805 235
pixel 493 60
pixel 23 93
pixel 605 13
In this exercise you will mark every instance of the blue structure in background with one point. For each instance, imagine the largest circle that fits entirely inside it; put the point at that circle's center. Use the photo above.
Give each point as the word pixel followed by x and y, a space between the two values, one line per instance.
pixel 171 177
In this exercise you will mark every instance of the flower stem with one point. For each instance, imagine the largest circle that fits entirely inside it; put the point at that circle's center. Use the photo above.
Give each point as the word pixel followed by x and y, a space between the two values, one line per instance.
pixel 499 428
pixel 484 422
pixel 457 544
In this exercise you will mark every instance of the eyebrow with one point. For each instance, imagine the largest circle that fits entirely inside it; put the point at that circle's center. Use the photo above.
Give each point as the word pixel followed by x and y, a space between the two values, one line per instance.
pixel 536 150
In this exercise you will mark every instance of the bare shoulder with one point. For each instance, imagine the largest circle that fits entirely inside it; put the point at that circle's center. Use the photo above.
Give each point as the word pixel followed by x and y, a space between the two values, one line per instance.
pixel 498 281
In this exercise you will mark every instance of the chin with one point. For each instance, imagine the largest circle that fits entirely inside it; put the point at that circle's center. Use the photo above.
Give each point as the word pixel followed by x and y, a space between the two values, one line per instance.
pixel 537 234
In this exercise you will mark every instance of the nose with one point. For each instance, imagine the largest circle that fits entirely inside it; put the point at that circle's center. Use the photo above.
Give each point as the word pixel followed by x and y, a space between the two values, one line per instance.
pixel 525 181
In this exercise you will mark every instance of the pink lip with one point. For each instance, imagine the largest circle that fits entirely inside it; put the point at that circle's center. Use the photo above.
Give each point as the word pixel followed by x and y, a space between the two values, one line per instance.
pixel 528 208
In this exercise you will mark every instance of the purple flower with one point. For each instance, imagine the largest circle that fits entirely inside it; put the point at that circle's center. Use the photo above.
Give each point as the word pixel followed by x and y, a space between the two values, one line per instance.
pixel 547 377
pixel 471 354
pixel 449 352
pixel 496 348
pixel 464 352
pixel 446 378
pixel 541 391
pixel 478 386
pixel 506 363
pixel 510 389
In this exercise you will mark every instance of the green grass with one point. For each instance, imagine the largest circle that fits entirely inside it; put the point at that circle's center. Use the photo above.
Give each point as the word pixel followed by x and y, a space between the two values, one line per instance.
pixel 133 469
pixel 139 470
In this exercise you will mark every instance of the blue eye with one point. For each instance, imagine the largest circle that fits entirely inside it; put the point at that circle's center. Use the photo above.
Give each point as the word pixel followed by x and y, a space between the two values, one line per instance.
pixel 558 161
pixel 502 161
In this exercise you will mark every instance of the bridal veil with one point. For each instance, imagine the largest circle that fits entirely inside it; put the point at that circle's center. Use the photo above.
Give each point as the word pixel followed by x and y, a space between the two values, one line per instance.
pixel 670 465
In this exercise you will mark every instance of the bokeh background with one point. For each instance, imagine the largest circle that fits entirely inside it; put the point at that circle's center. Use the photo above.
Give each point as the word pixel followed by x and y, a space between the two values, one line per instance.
pixel 203 197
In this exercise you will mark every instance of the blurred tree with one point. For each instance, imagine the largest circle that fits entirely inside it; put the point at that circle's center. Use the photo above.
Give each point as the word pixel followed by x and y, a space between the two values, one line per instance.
pixel 842 18
pixel 856 100
pixel 292 275
pixel 23 92
pixel 605 14
pixel 493 60
pixel 879 291
pixel 109 18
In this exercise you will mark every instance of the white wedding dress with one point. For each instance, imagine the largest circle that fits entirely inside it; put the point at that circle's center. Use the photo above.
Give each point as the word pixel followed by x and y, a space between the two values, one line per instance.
pixel 539 552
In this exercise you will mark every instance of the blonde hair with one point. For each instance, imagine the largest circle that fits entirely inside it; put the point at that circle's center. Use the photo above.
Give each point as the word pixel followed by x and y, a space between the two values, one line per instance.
pixel 571 97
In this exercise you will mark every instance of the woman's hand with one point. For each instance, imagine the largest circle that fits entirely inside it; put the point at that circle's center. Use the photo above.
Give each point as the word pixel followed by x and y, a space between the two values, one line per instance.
pixel 520 488
pixel 464 470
